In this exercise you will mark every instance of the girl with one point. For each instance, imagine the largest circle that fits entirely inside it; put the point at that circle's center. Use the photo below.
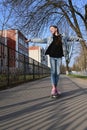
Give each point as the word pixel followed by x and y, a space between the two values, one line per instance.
pixel 55 51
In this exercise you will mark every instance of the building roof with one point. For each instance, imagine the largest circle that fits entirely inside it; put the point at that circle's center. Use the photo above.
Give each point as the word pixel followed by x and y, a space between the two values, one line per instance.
pixel 34 48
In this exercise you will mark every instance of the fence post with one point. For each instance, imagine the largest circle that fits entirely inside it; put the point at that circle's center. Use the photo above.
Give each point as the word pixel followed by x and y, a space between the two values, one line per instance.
pixel 39 70
pixel 24 68
pixel 42 72
pixel 8 73
pixel 33 70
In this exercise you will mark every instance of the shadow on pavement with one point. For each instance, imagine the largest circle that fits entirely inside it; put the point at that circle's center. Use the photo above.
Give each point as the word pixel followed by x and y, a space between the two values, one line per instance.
pixel 69 112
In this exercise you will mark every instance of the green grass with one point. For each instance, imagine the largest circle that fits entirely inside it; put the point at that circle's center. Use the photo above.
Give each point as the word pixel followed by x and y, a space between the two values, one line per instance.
pixel 77 76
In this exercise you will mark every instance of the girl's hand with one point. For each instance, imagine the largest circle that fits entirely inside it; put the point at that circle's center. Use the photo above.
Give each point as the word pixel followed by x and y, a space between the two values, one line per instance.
pixel 28 40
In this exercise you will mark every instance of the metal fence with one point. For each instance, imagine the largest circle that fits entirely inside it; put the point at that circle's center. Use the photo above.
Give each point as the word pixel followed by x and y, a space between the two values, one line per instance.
pixel 17 68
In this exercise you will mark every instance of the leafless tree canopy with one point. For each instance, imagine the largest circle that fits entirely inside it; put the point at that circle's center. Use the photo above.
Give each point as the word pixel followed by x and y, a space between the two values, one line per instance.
pixel 34 15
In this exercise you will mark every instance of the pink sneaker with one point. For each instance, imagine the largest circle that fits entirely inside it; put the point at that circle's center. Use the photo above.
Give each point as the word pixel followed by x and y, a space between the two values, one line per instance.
pixel 54 91
pixel 58 91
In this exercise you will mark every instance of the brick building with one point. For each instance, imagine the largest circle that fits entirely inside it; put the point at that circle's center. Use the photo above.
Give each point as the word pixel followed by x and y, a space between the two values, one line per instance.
pixel 15 41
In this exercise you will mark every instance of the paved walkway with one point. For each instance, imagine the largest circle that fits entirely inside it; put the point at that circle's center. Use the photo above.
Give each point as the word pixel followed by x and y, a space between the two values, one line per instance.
pixel 29 107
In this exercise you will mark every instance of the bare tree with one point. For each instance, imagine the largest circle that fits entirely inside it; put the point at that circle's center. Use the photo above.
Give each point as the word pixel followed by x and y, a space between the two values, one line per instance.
pixel 6 15
pixel 34 15
pixel 80 61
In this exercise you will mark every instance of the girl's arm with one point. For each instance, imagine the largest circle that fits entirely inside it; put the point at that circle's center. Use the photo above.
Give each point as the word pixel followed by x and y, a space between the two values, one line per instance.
pixel 37 40
pixel 73 38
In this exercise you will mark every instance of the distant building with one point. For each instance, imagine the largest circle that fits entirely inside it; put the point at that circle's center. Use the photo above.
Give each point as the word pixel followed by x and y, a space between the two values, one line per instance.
pixel 15 40
pixel 38 53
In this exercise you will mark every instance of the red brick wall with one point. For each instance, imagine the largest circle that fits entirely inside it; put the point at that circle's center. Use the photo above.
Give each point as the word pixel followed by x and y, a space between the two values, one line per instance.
pixel 11 43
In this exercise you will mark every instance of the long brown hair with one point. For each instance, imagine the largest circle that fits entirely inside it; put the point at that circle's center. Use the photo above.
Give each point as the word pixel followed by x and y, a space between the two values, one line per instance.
pixel 55 27
pixel 59 38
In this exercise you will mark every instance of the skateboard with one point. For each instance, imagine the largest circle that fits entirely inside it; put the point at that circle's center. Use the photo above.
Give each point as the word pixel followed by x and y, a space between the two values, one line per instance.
pixel 56 96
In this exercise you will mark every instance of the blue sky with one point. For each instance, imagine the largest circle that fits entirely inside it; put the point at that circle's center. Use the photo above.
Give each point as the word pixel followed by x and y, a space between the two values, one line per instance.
pixel 4 14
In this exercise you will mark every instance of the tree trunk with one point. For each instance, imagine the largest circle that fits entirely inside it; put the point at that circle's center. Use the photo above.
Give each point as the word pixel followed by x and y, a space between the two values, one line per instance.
pixel 84 56
pixel 67 67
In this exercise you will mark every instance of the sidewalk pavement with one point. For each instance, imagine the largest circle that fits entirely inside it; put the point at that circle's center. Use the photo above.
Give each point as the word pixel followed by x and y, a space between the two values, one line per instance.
pixel 29 106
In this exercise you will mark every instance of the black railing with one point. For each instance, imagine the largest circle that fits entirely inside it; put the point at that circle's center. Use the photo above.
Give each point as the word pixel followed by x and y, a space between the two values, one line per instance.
pixel 17 68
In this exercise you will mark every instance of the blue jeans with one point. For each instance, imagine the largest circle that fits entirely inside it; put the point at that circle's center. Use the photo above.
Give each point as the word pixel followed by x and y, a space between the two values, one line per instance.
pixel 55 70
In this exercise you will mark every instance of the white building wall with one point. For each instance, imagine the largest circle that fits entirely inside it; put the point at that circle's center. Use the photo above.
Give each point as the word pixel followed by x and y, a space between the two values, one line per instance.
pixel 38 54
pixel 35 54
